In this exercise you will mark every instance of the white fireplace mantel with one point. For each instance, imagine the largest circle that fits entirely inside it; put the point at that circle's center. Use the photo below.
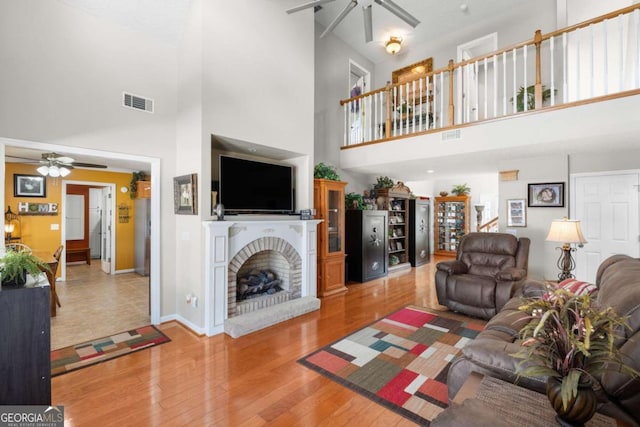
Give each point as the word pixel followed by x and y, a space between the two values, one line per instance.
pixel 223 240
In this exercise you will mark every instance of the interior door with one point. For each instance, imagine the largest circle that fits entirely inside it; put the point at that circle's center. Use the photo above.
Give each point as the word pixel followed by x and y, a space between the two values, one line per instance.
pixel 607 206
pixel 107 215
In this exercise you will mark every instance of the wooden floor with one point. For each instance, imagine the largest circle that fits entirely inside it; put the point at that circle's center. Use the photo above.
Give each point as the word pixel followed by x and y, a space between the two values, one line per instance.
pixel 253 380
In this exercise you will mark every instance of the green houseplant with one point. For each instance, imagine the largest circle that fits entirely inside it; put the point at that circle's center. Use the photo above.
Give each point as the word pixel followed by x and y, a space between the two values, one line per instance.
pixel 133 185
pixel 14 266
pixel 461 189
pixel 529 97
pixel 323 171
pixel 354 201
pixel 570 340
pixel 383 182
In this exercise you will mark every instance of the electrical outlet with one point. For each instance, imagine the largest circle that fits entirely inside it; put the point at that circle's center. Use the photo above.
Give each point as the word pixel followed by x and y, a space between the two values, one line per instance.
pixel 194 302
pixel 189 297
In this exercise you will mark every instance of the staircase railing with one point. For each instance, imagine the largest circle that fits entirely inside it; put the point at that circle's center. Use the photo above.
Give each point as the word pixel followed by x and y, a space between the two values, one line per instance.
pixel 489 226
pixel 594 60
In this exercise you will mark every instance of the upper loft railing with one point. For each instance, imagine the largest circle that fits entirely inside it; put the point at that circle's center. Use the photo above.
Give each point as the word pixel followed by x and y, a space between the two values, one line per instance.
pixel 594 59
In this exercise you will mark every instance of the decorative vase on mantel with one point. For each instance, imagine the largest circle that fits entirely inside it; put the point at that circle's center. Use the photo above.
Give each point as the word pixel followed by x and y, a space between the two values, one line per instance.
pixel 580 408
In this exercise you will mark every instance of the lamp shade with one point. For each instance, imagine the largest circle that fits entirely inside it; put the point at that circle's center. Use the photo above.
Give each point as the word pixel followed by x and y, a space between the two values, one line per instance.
pixel 394 45
pixel 566 231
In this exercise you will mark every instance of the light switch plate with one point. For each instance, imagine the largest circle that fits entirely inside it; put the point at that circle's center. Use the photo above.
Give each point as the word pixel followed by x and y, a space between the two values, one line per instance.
pixel 55 226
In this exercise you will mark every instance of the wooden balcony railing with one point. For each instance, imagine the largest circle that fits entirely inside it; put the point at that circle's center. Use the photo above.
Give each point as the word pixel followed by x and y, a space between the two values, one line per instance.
pixel 592 60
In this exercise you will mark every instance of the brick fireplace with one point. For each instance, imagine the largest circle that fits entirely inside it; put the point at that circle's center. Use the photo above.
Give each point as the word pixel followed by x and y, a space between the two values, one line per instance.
pixel 232 247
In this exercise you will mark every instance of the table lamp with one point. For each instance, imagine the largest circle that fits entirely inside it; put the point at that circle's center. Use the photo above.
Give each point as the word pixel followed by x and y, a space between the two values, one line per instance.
pixel 567 232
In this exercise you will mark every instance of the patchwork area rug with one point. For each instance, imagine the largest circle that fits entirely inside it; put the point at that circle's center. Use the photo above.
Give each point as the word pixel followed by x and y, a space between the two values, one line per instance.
pixel 89 353
pixel 400 361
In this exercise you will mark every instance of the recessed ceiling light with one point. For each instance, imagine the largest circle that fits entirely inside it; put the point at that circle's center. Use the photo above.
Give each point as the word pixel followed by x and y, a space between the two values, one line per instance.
pixel 430 171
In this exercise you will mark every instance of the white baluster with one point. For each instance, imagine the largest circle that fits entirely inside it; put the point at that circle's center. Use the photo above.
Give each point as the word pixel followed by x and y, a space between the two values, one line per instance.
pixel 591 63
pixel 565 86
pixel 395 109
pixel 495 85
pixel 605 58
pixel 346 124
pixel 486 88
pixel 552 65
pixel 442 109
pixel 421 97
pixel 504 83
pixel 413 108
pixel 515 93
pixel 524 78
pixel 636 24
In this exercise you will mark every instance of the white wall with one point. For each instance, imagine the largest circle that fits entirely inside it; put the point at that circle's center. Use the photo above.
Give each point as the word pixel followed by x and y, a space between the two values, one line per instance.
pixel 63 74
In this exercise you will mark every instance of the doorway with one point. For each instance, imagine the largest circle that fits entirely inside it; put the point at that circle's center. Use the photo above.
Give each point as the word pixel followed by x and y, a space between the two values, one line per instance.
pixel 140 163
pixel 359 83
pixel 606 203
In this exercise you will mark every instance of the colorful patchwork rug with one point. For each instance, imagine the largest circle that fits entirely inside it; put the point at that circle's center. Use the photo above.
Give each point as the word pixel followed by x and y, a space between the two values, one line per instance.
pixel 400 361
pixel 89 353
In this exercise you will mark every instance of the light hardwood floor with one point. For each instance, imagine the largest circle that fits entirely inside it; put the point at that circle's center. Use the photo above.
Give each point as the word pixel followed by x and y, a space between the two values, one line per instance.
pixel 96 304
pixel 253 380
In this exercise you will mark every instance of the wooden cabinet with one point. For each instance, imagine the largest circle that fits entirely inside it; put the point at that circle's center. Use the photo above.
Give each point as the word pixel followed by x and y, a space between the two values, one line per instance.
pixel 451 223
pixel 25 346
pixel 419 231
pixel 328 200
pixel 366 234
pixel 396 201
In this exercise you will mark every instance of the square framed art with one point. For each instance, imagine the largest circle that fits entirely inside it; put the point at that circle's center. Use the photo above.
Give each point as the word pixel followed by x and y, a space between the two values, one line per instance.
pixel 29 185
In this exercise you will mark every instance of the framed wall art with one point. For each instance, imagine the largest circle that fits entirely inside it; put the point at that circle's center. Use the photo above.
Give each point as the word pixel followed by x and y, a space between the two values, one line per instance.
pixel 185 194
pixel 29 185
pixel 547 195
pixel 516 213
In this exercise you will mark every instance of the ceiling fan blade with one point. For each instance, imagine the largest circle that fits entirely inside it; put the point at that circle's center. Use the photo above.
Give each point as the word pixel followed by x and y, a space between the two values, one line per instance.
pixel 399 12
pixel 87 165
pixel 24 159
pixel 308 5
pixel 368 23
pixel 340 17
pixel 64 159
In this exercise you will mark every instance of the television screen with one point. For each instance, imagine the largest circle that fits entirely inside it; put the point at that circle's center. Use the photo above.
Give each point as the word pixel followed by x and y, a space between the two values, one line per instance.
pixel 248 186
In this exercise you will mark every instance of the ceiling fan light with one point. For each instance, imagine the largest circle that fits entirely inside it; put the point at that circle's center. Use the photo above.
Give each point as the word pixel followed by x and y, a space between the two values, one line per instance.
pixel 54 171
pixel 64 171
pixel 43 170
pixel 394 45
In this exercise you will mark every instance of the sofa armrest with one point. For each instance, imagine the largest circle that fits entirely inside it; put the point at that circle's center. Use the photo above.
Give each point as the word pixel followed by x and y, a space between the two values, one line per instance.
pixel 452 267
pixel 534 289
pixel 511 274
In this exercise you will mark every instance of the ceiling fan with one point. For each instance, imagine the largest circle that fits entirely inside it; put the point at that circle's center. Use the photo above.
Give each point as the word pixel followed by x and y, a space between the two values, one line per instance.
pixel 52 162
pixel 367 11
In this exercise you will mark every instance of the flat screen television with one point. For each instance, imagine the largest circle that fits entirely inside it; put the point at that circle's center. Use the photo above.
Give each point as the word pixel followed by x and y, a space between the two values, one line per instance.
pixel 249 186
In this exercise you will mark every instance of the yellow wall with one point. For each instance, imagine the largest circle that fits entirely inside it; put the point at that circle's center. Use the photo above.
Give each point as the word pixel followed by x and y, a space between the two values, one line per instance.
pixel 36 230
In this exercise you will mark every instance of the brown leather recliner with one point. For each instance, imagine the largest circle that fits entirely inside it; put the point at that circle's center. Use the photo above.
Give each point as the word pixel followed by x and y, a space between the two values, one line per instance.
pixel 488 270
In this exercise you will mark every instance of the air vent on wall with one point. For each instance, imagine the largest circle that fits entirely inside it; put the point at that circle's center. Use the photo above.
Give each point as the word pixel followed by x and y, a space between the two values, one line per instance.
pixel 451 135
pixel 137 102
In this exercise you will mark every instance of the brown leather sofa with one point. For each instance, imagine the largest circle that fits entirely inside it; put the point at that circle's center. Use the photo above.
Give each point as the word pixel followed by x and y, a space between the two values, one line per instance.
pixel 618 282
pixel 488 270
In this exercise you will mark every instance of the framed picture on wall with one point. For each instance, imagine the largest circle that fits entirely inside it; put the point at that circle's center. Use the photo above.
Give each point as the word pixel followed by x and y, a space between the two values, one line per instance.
pixel 29 185
pixel 547 195
pixel 185 194
pixel 516 213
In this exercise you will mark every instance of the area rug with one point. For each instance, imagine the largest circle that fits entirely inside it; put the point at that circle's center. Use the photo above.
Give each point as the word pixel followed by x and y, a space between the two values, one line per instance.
pixel 89 353
pixel 400 361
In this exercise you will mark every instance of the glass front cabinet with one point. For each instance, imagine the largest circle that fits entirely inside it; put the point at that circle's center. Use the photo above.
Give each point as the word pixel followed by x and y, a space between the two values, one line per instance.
pixel 452 222
pixel 329 203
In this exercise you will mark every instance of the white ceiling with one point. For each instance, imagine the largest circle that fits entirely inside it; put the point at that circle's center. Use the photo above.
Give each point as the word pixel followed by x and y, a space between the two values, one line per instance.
pixel 437 19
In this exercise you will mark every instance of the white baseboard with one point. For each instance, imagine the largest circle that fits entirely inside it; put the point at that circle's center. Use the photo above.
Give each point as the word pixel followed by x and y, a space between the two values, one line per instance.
pixel 175 317
pixel 128 270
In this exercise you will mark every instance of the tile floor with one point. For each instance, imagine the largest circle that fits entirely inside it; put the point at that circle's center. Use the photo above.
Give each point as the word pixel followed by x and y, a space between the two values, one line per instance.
pixel 95 304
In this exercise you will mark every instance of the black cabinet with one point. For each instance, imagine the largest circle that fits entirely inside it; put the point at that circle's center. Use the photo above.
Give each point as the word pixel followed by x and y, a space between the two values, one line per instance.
pixel 419 236
pixel 366 238
pixel 25 346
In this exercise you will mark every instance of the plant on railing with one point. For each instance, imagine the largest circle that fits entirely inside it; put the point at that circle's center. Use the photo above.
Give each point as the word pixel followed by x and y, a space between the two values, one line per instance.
pixel 354 201
pixel 322 171
pixel 530 97
pixel 383 182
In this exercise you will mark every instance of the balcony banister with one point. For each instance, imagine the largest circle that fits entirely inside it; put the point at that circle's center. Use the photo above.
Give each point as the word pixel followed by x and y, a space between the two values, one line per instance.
pixel 455 96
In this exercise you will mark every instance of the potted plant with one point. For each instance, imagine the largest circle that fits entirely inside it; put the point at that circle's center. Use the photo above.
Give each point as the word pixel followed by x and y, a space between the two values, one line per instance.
pixel 15 265
pixel 322 171
pixel 528 96
pixel 461 189
pixel 570 340
pixel 383 182
pixel 354 201
pixel 133 185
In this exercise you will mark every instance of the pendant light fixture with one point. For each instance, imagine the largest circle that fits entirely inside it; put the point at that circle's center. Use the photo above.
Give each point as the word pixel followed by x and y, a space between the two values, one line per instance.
pixel 394 45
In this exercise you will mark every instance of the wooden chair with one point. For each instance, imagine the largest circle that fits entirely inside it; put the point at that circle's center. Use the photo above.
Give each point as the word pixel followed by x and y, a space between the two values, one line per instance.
pixel 18 247
pixel 51 275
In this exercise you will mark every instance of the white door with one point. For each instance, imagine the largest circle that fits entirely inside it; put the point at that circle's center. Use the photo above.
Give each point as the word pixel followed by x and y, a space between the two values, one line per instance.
pixel 107 217
pixel 607 206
